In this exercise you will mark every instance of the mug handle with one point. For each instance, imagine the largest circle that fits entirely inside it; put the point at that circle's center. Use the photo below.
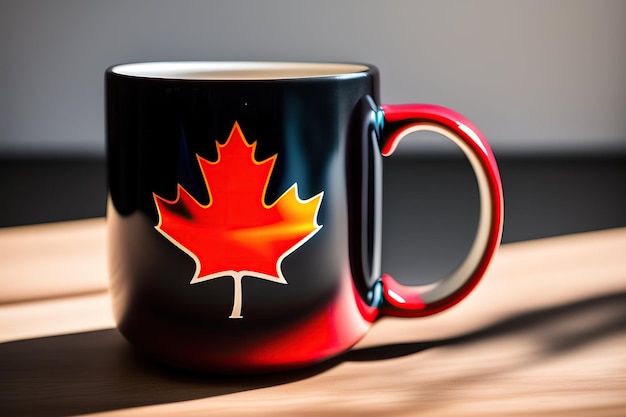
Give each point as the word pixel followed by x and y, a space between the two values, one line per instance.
pixel 416 301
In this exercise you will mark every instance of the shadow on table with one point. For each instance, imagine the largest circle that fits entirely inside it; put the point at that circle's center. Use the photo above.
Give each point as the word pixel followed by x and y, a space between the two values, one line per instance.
pixel 98 371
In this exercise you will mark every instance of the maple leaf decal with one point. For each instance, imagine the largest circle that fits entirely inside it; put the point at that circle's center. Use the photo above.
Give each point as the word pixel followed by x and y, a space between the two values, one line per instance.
pixel 238 234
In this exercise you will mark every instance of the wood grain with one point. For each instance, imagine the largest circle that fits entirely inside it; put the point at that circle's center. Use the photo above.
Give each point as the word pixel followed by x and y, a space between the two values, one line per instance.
pixel 543 334
pixel 51 260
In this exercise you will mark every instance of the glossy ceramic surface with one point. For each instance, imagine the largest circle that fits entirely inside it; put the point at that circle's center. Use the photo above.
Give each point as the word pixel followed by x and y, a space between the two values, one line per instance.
pixel 244 211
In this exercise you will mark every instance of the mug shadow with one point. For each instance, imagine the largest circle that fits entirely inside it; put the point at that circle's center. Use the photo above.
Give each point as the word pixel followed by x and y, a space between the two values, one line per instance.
pixel 98 371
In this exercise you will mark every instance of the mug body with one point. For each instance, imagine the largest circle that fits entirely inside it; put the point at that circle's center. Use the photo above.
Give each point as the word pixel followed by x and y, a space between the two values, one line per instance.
pixel 241 210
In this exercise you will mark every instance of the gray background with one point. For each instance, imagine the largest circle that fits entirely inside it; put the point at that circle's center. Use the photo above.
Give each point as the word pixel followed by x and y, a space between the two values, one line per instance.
pixel 537 76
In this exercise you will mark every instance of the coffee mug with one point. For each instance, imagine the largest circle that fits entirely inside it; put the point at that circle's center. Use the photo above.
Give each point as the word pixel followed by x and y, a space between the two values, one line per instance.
pixel 244 210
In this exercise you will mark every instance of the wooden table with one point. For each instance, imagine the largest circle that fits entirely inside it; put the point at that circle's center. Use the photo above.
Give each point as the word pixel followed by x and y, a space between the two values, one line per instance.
pixel 543 334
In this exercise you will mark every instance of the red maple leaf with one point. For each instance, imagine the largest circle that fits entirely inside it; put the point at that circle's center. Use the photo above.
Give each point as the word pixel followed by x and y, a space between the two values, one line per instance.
pixel 238 234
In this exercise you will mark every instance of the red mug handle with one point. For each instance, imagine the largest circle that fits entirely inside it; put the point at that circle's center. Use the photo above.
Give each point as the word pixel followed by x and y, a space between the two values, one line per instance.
pixel 416 301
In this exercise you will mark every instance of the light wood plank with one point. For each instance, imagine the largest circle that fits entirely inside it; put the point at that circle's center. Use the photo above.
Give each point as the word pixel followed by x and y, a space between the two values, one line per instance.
pixel 55 316
pixel 543 334
pixel 52 260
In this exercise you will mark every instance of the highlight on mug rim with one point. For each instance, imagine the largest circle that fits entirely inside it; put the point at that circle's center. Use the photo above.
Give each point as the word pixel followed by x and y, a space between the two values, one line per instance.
pixel 237 70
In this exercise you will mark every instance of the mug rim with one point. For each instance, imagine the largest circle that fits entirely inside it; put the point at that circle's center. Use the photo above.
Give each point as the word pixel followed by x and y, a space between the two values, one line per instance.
pixel 238 70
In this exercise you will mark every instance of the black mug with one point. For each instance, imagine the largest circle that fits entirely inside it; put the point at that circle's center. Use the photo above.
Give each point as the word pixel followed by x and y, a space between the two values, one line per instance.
pixel 220 171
